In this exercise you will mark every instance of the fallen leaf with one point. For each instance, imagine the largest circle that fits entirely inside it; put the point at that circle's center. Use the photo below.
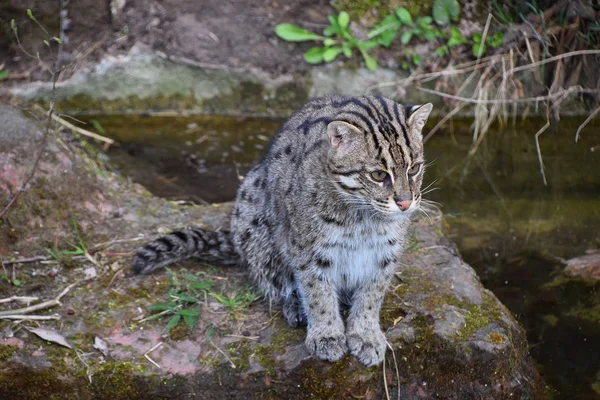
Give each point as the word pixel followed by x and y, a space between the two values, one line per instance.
pixel 51 336
pixel 101 346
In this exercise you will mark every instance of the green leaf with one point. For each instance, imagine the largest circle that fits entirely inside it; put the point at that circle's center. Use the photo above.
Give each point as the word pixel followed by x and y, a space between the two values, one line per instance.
pixel 343 19
pixel 293 33
pixel 477 37
pixel 404 16
pixel 12 24
pixel 190 321
pixel 329 31
pixel 46 43
pixel 477 47
pixel 347 50
pixel 456 38
pixel 386 38
pixel 441 51
pixel 430 35
pixel 331 53
pixel 57 40
pixel 406 36
pixel 187 298
pixel 161 306
pixel 335 26
pixel 201 285
pixel 16 282
pixel 97 126
pixel 496 40
pixel 3 75
pixel 369 61
pixel 424 21
pixel 389 24
pixel 329 42
pixel 314 55
pixel 416 59
pixel 369 44
pixel 30 14
pixel 193 312
pixel 445 10
pixel 172 322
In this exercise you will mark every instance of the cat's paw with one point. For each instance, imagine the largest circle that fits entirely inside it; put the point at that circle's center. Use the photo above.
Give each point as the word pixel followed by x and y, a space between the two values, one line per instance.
pixel 327 344
pixel 293 312
pixel 368 345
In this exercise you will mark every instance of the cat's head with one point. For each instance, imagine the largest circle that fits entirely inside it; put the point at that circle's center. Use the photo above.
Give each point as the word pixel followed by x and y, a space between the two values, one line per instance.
pixel 376 153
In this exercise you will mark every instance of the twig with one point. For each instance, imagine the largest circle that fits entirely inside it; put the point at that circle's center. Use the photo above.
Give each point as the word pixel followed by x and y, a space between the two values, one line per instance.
pixel 22 299
pixel 570 90
pixel 556 58
pixel 385 384
pixel 592 115
pixel 88 371
pixel 82 131
pixel 150 351
pixel 41 306
pixel 55 75
pixel 539 151
pixel 27 260
pixel 30 317
pixel 443 121
pixel 224 355
pixel 397 369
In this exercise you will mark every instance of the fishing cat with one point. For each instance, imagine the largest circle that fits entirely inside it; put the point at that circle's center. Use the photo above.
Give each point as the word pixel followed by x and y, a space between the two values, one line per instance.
pixel 322 219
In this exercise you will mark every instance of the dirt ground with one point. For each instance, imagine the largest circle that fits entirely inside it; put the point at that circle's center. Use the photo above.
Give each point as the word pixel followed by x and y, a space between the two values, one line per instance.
pixel 221 33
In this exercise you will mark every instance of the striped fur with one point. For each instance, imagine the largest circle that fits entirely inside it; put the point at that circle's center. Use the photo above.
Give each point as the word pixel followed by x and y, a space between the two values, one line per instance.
pixel 316 224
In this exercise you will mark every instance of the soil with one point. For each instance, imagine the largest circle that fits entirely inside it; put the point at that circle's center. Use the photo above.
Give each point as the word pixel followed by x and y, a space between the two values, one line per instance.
pixel 236 34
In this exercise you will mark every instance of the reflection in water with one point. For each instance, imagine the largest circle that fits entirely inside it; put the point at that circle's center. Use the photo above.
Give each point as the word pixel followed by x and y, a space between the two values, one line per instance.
pixel 507 224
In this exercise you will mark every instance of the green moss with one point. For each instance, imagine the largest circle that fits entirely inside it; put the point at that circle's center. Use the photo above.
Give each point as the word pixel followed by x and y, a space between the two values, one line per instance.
pixel 117 381
pixel 7 351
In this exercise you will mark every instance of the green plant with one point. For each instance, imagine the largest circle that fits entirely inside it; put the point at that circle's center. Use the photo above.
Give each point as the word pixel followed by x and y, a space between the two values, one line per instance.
pixel 391 25
pixel 493 41
pixel 454 39
pixel 446 10
pixel 183 300
pixel 237 301
pixel 337 39
pixel 79 249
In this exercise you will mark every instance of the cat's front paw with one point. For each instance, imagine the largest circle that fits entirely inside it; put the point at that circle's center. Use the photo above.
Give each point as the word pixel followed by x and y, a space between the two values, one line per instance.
pixel 327 344
pixel 368 345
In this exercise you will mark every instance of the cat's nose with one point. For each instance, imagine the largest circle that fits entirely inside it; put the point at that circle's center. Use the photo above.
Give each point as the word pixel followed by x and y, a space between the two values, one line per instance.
pixel 404 204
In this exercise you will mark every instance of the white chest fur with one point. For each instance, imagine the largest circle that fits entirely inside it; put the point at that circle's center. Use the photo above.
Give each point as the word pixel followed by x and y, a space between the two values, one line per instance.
pixel 358 253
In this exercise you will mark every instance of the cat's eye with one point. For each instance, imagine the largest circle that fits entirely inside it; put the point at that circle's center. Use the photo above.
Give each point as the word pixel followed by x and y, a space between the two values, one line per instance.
pixel 378 176
pixel 414 169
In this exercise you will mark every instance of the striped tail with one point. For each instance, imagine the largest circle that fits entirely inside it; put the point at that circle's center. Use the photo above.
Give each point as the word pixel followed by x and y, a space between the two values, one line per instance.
pixel 208 245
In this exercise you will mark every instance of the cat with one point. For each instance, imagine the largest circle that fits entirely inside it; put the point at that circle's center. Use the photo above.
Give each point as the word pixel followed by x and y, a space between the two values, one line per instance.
pixel 321 221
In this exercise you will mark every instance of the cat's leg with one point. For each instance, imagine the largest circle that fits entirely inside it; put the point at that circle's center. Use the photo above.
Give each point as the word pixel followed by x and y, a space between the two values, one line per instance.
pixel 325 332
pixel 365 339
pixel 293 310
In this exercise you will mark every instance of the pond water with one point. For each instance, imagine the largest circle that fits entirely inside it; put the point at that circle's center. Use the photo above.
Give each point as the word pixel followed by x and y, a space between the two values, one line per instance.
pixel 507 224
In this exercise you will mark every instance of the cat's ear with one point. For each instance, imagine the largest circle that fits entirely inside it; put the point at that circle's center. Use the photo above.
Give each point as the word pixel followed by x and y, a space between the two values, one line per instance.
pixel 417 116
pixel 342 134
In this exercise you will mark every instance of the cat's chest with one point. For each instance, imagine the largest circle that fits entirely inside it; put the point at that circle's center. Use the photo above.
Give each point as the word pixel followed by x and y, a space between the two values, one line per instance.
pixel 357 253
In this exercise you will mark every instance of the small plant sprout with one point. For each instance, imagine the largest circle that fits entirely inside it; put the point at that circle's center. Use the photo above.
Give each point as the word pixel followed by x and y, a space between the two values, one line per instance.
pixel 336 39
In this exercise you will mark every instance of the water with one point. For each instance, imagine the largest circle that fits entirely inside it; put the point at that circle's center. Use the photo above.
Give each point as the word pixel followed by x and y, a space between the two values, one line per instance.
pixel 507 224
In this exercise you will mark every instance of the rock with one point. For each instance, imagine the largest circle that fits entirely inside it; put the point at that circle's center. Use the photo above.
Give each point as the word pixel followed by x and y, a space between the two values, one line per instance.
pixel 450 338
pixel 586 266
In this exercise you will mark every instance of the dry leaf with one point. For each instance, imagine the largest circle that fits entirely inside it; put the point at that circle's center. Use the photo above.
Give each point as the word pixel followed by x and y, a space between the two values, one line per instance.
pixel 101 346
pixel 51 336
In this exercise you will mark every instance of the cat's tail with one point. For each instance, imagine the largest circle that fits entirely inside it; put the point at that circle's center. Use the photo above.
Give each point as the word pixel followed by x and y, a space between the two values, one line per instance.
pixel 207 245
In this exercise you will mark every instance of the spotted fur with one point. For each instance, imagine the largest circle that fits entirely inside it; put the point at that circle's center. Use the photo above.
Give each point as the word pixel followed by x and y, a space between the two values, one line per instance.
pixel 313 225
